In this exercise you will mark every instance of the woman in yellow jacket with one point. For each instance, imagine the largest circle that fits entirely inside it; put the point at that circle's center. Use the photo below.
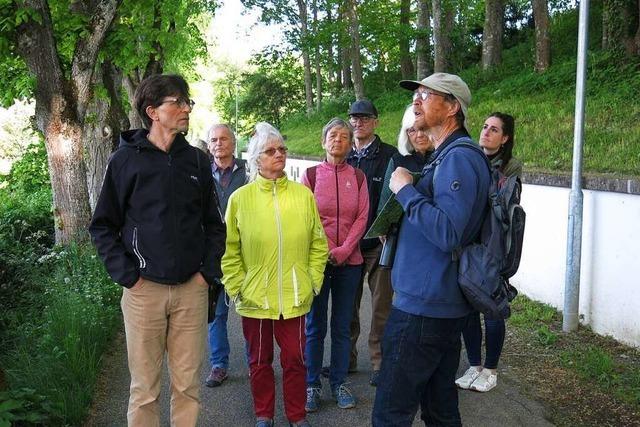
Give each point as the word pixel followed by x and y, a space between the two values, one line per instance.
pixel 272 268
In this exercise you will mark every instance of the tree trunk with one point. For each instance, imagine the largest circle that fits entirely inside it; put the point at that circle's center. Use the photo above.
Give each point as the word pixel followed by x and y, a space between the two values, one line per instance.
pixel 636 39
pixel 347 83
pixel 423 44
pixel 613 25
pixel 354 32
pixel 492 34
pixel 332 73
pixel 442 26
pixel 100 134
pixel 543 41
pixel 314 6
pixel 61 104
pixel 406 64
pixel 306 61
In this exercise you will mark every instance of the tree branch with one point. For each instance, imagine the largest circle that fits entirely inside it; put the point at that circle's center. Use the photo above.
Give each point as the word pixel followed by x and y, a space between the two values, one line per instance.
pixel 37 46
pixel 86 52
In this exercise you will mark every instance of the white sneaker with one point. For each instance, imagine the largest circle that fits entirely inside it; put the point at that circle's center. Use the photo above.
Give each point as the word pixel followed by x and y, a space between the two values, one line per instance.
pixel 485 382
pixel 465 381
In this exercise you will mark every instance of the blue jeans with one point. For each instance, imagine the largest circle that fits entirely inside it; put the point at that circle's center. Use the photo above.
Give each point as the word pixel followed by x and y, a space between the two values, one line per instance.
pixel 494 340
pixel 420 356
pixel 342 282
pixel 218 339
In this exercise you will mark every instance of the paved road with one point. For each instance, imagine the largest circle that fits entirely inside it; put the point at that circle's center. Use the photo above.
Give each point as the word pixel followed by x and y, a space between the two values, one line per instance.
pixel 231 404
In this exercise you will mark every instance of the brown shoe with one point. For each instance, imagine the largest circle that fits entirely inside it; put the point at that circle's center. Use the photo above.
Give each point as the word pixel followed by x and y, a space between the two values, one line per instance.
pixel 216 377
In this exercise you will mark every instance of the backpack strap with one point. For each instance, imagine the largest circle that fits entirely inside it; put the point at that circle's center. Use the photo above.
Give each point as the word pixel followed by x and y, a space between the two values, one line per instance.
pixel 311 177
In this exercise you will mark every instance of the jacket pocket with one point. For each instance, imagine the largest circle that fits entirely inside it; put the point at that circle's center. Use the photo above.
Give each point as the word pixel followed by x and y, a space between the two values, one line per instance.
pixel 253 294
pixel 302 289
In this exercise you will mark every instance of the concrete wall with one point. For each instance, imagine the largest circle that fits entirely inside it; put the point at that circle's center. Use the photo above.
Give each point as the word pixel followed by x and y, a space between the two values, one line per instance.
pixel 610 273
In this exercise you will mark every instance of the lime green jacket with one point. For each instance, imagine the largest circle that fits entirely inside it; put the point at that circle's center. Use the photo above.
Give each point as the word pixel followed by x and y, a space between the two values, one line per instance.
pixel 276 249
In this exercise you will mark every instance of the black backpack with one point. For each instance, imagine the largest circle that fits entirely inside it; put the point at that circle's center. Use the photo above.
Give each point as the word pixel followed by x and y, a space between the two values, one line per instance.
pixel 493 256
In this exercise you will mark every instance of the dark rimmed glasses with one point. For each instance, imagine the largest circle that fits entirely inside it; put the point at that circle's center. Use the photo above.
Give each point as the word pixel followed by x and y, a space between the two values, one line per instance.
pixel 180 102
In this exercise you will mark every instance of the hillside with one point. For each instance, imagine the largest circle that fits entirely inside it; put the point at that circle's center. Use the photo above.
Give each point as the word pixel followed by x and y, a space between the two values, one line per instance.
pixel 543 105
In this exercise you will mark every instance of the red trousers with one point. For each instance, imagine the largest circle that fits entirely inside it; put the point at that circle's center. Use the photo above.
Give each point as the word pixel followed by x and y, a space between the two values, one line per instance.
pixel 290 337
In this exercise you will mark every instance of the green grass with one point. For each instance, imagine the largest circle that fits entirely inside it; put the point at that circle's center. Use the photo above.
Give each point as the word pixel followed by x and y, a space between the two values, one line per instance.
pixel 543 105
pixel 598 361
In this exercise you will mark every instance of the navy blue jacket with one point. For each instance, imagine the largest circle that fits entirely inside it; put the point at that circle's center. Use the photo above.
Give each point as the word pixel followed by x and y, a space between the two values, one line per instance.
pixel 440 215
pixel 158 215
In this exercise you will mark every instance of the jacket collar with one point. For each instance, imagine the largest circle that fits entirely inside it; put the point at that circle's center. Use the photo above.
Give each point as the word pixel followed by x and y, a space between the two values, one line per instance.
pixel 265 184
pixel 372 149
pixel 326 165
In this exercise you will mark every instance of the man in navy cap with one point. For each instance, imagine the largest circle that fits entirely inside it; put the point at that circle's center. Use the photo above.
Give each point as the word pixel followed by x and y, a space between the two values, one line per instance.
pixel 372 156
pixel 442 212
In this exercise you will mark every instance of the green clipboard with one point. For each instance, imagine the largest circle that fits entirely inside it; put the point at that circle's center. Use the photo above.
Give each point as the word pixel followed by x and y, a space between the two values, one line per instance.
pixel 390 214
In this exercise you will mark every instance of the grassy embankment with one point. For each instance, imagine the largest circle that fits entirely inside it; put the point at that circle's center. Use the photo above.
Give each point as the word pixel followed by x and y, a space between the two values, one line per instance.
pixel 543 105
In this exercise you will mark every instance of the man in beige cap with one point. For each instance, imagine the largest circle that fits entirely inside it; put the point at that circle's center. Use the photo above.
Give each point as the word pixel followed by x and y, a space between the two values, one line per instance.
pixel 443 212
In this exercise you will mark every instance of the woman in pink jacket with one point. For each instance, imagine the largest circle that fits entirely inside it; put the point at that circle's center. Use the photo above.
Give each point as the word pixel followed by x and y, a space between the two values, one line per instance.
pixel 343 202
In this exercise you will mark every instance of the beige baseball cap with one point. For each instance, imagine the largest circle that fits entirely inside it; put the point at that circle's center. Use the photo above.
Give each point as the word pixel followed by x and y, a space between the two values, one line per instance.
pixel 446 83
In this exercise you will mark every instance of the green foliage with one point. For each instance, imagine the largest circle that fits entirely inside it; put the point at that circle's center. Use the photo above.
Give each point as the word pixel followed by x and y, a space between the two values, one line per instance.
pixel 531 314
pixel 31 173
pixel 543 105
pixel 25 407
pixel 546 336
pixel 54 344
pixel 274 89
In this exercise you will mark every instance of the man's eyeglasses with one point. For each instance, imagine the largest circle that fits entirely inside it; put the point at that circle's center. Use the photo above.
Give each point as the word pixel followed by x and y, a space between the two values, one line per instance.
pixel 363 119
pixel 180 102
pixel 425 95
pixel 272 151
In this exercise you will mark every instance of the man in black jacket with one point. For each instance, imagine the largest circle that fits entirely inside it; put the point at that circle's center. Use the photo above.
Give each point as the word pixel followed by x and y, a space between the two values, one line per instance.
pixel 158 229
pixel 371 155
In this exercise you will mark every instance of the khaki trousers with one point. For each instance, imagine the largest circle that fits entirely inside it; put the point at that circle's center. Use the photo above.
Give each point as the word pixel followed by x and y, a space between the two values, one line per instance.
pixel 159 318
pixel 379 280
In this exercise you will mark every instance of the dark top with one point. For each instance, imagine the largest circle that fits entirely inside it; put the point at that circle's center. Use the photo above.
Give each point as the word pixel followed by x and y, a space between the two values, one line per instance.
pixel 412 161
pixel 374 165
pixel 158 215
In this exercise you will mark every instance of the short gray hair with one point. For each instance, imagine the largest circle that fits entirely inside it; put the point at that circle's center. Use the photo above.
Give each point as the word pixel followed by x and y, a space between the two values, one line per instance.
pixel 221 125
pixel 264 133
pixel 408 119
pixel 337 122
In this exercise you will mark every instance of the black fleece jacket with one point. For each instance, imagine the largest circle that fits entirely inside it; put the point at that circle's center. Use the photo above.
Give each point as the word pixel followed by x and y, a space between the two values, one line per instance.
pixel 158 215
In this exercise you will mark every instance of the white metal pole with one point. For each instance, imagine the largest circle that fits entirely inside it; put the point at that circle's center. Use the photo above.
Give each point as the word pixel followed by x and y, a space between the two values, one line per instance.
pixel 570 313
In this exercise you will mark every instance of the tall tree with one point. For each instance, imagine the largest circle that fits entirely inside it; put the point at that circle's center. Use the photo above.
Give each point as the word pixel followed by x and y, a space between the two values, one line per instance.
pixel 442 26
pixel 543 41
pixel 354 32
pixel 492 34
pixel 406 64
pixel 316 58
pixel 62 97
pixel 306 60
pixel 423 43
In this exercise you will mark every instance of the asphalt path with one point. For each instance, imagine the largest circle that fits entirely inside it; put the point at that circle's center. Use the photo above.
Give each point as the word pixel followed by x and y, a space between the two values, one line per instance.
pixel 231 403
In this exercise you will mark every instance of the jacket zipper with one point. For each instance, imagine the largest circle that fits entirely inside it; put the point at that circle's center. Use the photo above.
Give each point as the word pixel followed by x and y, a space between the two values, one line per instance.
pixel 279 226
pixel 134 243
pixel 338 210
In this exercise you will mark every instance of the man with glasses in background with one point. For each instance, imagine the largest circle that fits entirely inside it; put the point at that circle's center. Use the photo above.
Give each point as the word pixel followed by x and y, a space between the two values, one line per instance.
pixel 158 229
pixel 229 174
pixel 372 156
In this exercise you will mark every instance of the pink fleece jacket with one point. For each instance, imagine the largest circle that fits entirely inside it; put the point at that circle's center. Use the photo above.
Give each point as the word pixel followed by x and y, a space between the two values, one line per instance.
pixel 343 209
